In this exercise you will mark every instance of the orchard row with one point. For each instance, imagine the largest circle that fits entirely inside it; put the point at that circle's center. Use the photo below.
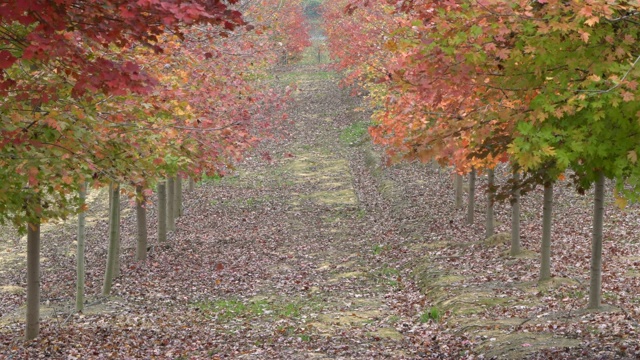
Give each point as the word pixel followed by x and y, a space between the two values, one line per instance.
pixel 548 86
pixel 126 94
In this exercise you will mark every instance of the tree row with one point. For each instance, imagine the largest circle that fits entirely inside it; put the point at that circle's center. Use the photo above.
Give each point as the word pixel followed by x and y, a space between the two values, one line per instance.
pixel 549 87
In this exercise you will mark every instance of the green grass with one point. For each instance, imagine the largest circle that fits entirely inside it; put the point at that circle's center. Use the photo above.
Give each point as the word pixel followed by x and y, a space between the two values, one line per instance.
pixel 211 179
pixel 355 133
pixel 393 319
pixel 377 249
pixel 295 76
pixel 389 271
pixel 431 313
pixel 388 276
pixel 310 54
pixel 576 294
pixel 217 179
pixel 231 309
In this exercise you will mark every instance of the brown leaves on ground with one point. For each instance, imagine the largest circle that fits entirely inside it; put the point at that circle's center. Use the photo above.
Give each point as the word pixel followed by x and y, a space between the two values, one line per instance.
pixel 324 254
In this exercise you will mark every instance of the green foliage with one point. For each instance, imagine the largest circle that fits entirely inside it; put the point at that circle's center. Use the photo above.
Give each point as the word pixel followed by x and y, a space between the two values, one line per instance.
pixel 354 133
pixel 377 249
pixel 215 178
pixel 431 313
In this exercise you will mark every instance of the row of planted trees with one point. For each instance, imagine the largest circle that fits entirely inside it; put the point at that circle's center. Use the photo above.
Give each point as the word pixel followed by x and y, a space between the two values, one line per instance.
pixel 97 93
pixel 549 87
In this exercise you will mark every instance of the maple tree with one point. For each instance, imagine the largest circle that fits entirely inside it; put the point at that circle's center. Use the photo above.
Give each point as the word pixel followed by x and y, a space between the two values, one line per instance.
pixel 474 83
pixel 58 65
pixel 245 236
pixel 125 93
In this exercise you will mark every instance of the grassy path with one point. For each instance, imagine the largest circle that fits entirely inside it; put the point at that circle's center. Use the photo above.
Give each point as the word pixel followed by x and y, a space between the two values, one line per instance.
pixel 323 285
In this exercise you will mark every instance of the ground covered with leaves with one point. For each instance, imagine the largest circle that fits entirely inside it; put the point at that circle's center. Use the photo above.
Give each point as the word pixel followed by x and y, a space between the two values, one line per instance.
pixel 325 253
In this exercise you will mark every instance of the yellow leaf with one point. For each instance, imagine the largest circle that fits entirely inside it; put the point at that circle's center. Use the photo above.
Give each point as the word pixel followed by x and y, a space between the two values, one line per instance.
pixel 548 150
pixel 391 45
pixel 620 201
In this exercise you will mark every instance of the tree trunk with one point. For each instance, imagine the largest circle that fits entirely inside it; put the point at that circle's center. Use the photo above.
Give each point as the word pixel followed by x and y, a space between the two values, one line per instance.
pixel 178 196
pixel 490 218
pixel 192 184
pixel 113 241
pixel 458 189
pixel 162 212
pixel 116 204
pixel 80 261
pixel 515 216
pixel 33 281
pixel 471 202
pixel 595 287
pixel 171 204
pixel 545 250
pixel 141 219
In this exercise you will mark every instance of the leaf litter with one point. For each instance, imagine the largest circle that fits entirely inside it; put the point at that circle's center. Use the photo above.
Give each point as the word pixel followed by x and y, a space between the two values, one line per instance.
pixel 323 253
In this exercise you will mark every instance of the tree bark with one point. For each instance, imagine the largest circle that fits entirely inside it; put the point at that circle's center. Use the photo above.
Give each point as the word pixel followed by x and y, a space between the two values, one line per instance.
pixel 141 220
pixel 595 287
pixel 171 204
pixel 162 212
pixel 490 222
pixel 80 261
pixel 113 241
pixel 192 184
pixel 178 196
pixel 545 250
pixel 458 189
pixel 515 216
pixel 32 329
pixel 471 201
pixel 116 267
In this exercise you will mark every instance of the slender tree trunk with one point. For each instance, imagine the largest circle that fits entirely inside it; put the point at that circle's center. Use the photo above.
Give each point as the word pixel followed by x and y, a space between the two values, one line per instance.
pixel 33 280
pixel 116 204
pixel 490 218
pixel 545 250
pixel 80 261
pixel 192 184
pixel 171 204
pixel 515 216
pixel 113 243
pixel 595 288
pixel 162 212
pixel 141 219
pixel 471 201
pixel 458 189
pixel 110 206
pixel 178 196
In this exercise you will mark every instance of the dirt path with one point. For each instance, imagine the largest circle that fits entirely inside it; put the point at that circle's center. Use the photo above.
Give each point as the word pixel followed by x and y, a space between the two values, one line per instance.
pixel 317 237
